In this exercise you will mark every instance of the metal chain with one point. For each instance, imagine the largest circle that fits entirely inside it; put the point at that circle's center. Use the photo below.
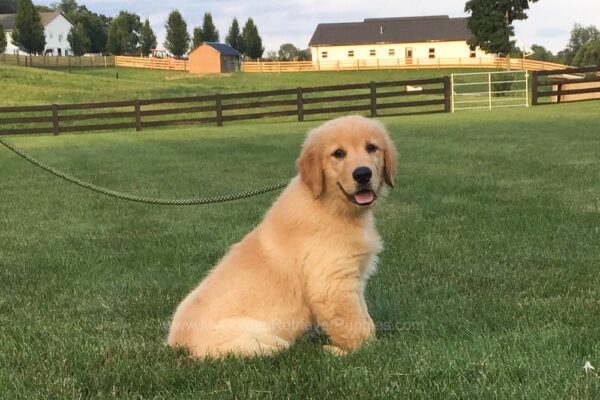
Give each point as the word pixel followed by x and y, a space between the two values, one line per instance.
pixel 141 199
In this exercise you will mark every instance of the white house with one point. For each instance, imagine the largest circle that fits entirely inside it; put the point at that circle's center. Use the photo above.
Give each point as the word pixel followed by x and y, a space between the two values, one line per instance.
pixel 56 29
pixel 389 41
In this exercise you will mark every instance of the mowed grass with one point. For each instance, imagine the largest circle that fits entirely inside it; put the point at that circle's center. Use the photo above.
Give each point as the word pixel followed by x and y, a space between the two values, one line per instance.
pixel 488 286
pixel 32 86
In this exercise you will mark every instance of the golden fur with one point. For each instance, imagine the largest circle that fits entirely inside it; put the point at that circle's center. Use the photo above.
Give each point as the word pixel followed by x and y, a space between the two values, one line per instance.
pixel 305 264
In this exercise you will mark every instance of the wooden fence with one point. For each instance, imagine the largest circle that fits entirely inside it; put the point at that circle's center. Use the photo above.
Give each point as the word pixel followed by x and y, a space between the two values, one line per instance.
pixel 57 62
pixel 526 64
pixel 398 63
pixel 170 64
pixel 373 98
pixel 567 84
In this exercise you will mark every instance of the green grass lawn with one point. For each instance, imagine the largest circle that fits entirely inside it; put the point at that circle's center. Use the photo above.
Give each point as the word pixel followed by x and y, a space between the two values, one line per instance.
pixel 29 86
pixel 488 286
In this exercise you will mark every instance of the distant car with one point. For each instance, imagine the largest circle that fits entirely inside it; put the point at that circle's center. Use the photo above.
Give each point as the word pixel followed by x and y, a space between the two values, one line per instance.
pixel 156 53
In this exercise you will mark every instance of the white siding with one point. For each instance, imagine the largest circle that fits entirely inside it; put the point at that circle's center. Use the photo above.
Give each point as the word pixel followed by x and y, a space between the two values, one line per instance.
pixel 10 48
pixel 56 37
pixel 450 51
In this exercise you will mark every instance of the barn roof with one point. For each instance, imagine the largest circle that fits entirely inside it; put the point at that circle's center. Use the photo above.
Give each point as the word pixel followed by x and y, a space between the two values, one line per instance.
pixel 222 48
pixel 8 20
pixel 392 30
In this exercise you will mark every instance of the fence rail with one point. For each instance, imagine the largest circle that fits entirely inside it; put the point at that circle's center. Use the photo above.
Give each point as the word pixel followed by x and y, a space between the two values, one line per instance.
pixel 397 63
pixel 373 98
pixel 170 64
pixel 57 61
pixel 567 84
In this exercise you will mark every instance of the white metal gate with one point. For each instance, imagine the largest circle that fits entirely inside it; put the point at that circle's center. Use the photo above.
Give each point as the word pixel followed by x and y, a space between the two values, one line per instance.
pixel 489 90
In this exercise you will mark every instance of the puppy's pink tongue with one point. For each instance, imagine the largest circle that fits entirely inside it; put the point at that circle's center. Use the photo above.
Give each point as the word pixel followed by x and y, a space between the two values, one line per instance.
pixel 364 197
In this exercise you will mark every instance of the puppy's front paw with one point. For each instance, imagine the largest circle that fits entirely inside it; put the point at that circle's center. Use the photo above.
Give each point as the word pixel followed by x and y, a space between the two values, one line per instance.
pixel 334 350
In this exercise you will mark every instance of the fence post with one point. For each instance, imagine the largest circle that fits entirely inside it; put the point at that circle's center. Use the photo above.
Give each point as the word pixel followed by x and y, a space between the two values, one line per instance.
pixel 490 89
pixel 55 124
pixel 534 88
pixel 138 115
pixel 219 104
pixel 373 88
pixel 526 89
pixel 300 99
pixel 447 94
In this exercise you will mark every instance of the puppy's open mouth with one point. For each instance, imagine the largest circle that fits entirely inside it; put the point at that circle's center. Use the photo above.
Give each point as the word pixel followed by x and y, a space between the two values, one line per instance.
pixel 364 197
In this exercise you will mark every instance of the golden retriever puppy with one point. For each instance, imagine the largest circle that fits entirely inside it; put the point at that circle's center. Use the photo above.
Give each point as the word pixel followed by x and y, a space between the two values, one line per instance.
pixel 307 262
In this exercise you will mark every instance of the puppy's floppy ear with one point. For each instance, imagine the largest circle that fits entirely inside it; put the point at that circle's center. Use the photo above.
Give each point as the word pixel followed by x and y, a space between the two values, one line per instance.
pixel 310 167
pixel 390 158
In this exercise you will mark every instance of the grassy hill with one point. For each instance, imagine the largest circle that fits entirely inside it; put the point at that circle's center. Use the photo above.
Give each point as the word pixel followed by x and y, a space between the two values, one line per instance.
pixel 31 86
pixel 488 286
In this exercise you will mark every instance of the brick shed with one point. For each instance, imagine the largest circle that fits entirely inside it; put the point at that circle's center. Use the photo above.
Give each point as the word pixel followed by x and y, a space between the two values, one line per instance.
pixel 213 58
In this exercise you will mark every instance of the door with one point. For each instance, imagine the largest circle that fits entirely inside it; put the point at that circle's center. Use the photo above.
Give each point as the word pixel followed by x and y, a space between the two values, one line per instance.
pixel 408 55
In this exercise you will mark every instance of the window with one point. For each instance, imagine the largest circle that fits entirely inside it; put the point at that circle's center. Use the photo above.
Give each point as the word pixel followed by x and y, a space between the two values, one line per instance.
pixel 350 53
pixel 323 54
pixel 431 52
pixel 391 52
pixel 472 52
pixel 372 52
pixel 60 37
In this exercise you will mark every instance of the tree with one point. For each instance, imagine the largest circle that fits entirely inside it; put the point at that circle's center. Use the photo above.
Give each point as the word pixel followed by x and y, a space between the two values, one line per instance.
pixel 79 40
pixel 209 31
pixel 580 36
pixel 28 33
pixel 8 6
pixel 2 40
pixel 178 39
pixel 123 34
pixel 287 52
pixel 491 21
pixel 197 38
pixel 96 25
pixel 43 8
pixel 542 54
pixel 251 41
pixel 270 56
pixel 233 37
pixel 66 6
pixel 147 39
pixel 304 55
pixel 588 55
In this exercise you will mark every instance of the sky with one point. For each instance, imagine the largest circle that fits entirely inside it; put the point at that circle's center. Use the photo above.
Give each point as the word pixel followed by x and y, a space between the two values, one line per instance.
pixel 294 21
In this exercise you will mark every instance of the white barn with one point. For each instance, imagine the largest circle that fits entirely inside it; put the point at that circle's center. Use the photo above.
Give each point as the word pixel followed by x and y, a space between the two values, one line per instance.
pixel 56 29
pixel 389 41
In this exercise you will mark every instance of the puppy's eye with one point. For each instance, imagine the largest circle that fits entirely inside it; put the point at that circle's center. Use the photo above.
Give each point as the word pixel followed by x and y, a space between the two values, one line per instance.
pixel 371 148
pixel 339 153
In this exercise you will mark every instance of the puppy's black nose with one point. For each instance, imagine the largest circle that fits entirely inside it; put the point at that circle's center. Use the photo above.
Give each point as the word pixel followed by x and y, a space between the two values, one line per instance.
pixel 362 174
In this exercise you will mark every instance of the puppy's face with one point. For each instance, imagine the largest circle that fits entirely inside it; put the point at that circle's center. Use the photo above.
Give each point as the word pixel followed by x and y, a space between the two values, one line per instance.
pixel 348 160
